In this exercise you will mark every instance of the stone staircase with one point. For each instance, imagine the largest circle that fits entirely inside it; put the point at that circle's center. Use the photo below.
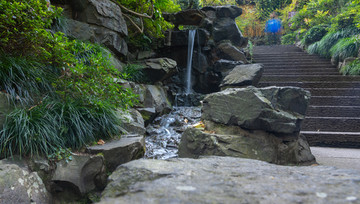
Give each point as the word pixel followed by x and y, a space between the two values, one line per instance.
pixel 333 117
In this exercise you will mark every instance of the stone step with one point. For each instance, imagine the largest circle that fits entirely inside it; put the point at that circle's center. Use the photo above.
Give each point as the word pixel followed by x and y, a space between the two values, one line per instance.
pixel 297 72
pixel 312 84
pixel 333 111
pixel 279 63
pixel 287 59
pixel 300 66
pixel 284 78
pixel 333 139
pixel 335 100
pixel 329 124
pixel 334 92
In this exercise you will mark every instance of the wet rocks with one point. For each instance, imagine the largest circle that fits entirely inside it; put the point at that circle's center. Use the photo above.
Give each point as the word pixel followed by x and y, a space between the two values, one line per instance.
pixel 230 52
pixel 127 148
pixel 79 176
pixel 243 75
pixel 228 180
pixel 132 122
pixel 272 109
pixel 159 69
pixel 19 185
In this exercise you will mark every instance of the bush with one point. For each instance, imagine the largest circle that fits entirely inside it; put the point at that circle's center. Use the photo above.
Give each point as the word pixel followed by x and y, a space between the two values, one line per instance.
pixel 323 46
pixel 23 24
pixel 315 34
pixel 351 69
pixel 346 47
pixel 51 125
pixel 288 39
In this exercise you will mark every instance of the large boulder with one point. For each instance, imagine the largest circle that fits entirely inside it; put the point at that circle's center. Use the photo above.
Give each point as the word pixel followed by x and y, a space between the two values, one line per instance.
pixel 236 142
pixel 229 180
pixel 159 69
pixel 103 13
pixel 224 11
pixel 127 148
pixel 19 185
pixel 181 37
pixel 224 66
pixel 273 109
pixel 78 176
pixel 132 121
pixel 229 52
pixel 243 75
pixel 185 17
pixel 226 29
pixel 155 96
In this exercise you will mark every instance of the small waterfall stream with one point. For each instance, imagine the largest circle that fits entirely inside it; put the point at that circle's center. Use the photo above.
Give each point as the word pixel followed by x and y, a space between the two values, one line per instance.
pixel 191 41
pixel 165 131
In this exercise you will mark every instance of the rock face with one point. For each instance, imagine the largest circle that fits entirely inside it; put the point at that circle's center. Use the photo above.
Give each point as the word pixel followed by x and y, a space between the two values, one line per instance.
pixel 243 75
pixel 236 142
pixel 18 185
pixel 155 96
pixel 230 52
pixel 99 21
pixel 77 177
pixel 272 109
pixel 228 180
pixel 132 122
pixel 159 69
pixel 128 148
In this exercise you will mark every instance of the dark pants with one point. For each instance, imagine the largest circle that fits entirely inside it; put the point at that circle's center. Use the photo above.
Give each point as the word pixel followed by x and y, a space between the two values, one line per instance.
pixel 273 38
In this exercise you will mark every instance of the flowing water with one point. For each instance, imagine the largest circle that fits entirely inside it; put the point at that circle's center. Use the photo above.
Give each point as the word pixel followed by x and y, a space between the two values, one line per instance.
pixel 165 132
pixel 189 60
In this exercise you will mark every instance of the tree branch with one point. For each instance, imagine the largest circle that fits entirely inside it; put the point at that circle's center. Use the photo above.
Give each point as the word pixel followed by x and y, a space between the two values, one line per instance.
pixel 134 24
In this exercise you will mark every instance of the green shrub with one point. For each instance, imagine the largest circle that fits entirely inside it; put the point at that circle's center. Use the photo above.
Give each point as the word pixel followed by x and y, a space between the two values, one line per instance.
pixel 288 39
pixel 25 79
pixel 23 24
pixel 323 46
pixel 346 47
pixel 351 69
pixel 134 72
pixel 54 124
pixel 315 34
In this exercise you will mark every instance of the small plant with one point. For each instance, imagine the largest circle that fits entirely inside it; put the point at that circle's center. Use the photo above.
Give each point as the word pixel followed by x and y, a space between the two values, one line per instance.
pixel 61 154
pixel 315 34
pixel 352 68
pixel 134 72
pixel 288 39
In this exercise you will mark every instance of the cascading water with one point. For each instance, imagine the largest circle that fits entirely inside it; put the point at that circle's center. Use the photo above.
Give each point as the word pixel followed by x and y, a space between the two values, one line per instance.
pixel 191 40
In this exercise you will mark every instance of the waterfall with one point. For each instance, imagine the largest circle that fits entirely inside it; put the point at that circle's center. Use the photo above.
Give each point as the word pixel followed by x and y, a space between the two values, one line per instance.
pixel 191 40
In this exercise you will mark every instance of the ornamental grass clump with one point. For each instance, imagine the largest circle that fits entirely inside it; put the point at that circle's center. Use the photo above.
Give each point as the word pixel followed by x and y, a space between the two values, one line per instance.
pixel 352 68
pixel 344 48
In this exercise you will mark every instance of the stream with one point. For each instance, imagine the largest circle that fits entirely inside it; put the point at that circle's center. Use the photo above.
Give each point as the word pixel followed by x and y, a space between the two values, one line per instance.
pixel 164 133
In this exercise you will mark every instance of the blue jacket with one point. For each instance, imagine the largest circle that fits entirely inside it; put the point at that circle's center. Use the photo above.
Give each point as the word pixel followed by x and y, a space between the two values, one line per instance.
pixel 273 26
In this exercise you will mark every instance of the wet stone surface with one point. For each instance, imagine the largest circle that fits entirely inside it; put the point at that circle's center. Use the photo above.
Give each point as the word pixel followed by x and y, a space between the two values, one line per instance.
pixel 164 134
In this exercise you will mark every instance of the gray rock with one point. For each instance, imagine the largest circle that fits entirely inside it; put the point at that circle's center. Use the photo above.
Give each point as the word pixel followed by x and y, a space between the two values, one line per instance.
pixel 199 62
pixel 148 114
pixel 5 108
pixel 273 109
pixel 229 180
pixel 18 185
pixel 156 97
pixel 226 29
pixel 229 52
pixel 132 121
pixel 159 69
pixel 79 176
pixel 104 13
pixel 346 62
pixel 96 34
pixel 243 75
pixel 185 17
pixel 225 66
pixel 127 148
pixel 145 55
pixel 236 142
pixel 181 38
pixel 223 11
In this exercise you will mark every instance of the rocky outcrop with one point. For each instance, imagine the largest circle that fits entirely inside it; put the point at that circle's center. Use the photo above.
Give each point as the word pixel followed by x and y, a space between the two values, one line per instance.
pixel 224 66
pixel 99 21
pixel 228 180
pixel 82 174
pixel 272 109
pixel 154 96
pixel 132 122
pixel 229 52
pixel 237 142
pixel 19 185
pixel 128 148
pixel 243 75
pixel 159 69
pixel 185 17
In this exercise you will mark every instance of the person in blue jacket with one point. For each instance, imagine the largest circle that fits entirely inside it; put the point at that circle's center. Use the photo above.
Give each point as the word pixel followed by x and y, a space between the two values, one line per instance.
pixel 273 29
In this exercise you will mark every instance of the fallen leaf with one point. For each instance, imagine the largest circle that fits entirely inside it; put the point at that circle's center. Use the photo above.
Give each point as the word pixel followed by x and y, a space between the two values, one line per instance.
pixel 100 142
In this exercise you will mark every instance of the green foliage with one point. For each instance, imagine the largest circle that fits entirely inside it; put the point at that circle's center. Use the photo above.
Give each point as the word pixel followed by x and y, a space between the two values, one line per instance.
pixel 315 34
pixel 25 79
pixel 288 39
pixel 188 4
pixel 266 7
pixel 349 16
pixel 54 125
pixel 351 69
pixel 134 72
pixel 61 154
pixel 23 24
pixel 323 46
pixel 346 47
